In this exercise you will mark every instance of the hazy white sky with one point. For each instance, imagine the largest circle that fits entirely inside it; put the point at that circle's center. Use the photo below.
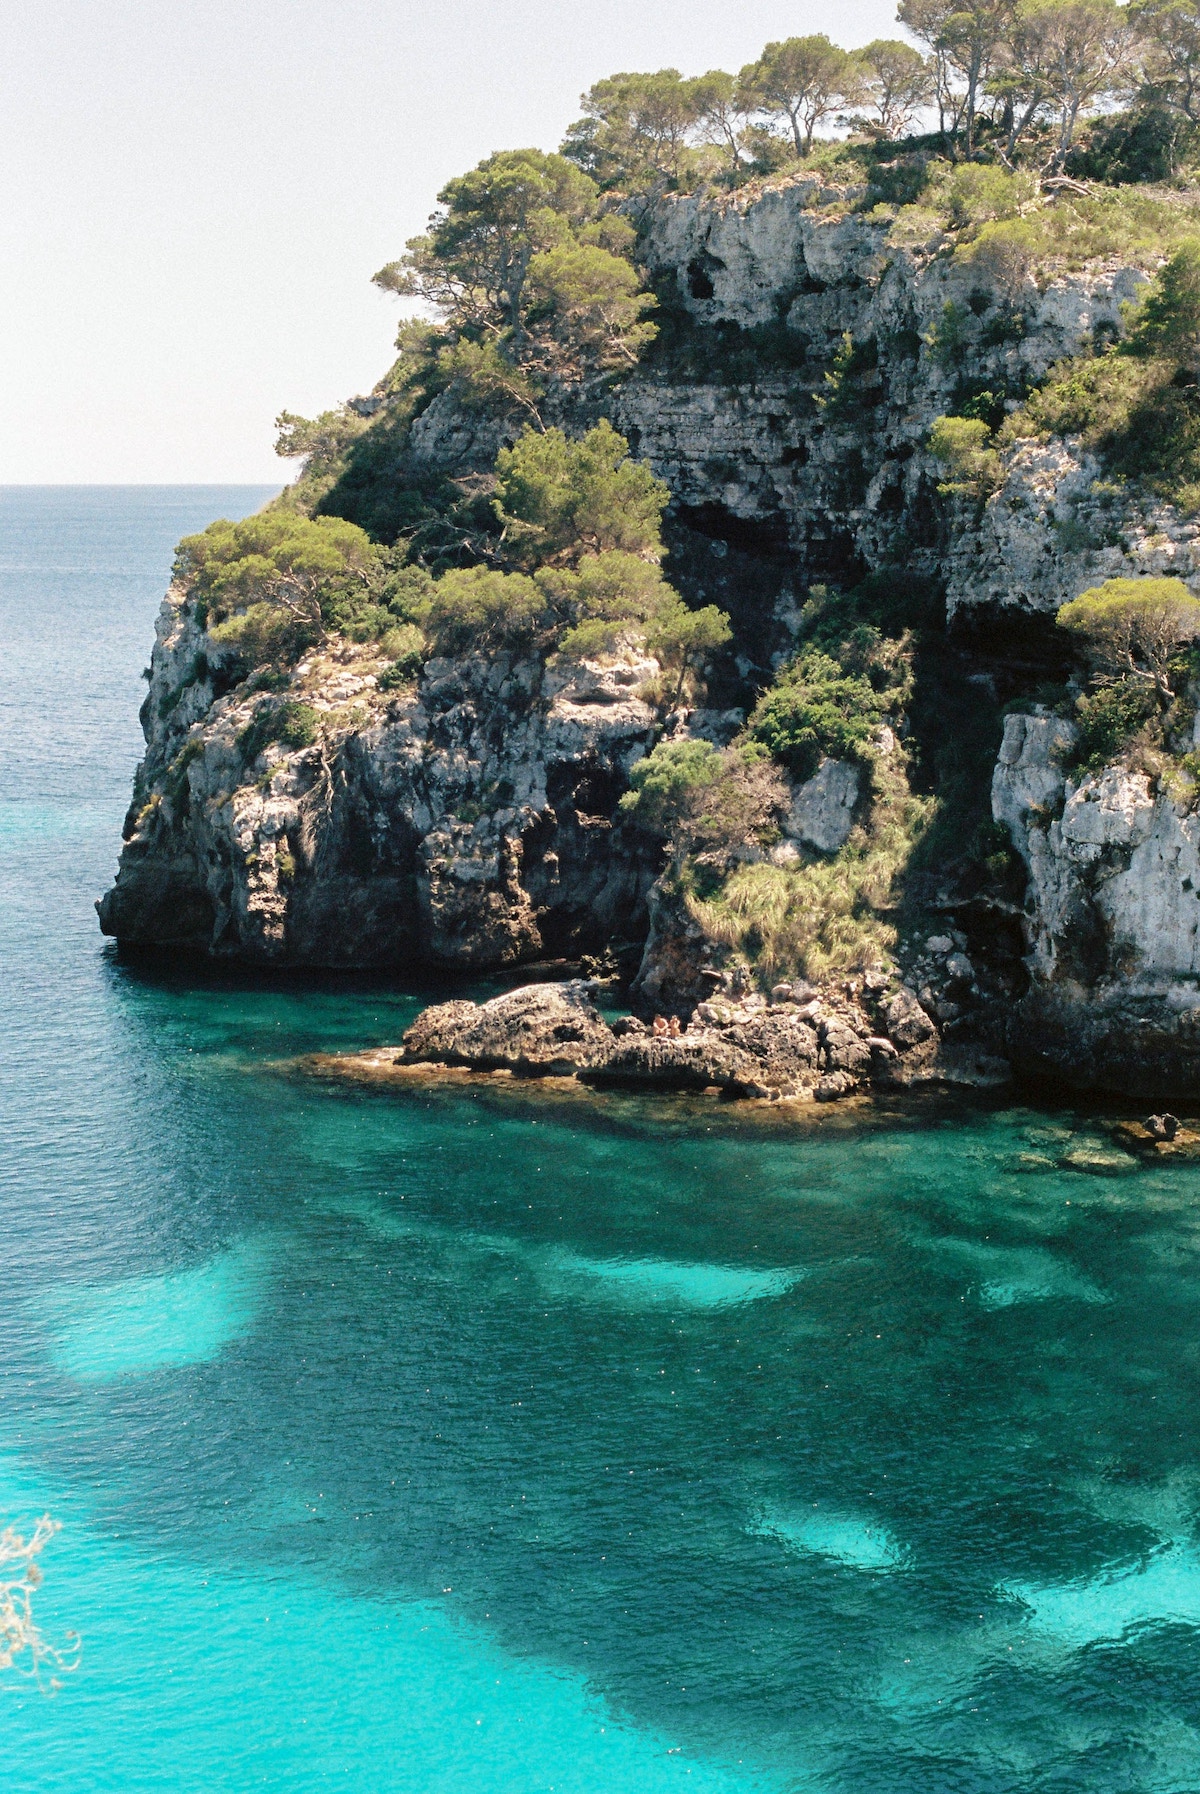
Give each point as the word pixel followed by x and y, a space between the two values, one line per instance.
pixel 195 195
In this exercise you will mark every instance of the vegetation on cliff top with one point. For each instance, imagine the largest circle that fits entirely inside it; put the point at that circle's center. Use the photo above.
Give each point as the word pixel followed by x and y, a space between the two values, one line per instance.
pixel 1134 403
pixel 529 264
pixel 572 563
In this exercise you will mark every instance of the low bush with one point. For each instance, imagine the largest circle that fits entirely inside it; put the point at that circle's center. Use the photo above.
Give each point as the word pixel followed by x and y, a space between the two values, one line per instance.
pixel 1137 406
pixel 815 709
pixel 293 724
pixel 1109 719
pixel 475 610
pixel 406 648
pixel 820 918
pixel 665 785
pixel 559 500
pixel 963 446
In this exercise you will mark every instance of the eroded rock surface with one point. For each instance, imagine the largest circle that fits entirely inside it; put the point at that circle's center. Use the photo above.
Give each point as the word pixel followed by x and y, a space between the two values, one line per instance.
pixel 546 1029
pixel 822 1049
pixel 1112 915
pixel 465 822
pixel 822 812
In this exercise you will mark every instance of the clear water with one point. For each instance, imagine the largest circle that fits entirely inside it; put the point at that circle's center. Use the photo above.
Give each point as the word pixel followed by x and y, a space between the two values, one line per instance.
pixel 460 1440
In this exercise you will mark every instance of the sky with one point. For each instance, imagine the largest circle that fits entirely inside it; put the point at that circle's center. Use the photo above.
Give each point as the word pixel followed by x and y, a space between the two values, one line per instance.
pixel 197 192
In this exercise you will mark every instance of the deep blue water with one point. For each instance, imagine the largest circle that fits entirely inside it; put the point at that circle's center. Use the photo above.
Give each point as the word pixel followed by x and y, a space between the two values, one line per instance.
pixel 469 1442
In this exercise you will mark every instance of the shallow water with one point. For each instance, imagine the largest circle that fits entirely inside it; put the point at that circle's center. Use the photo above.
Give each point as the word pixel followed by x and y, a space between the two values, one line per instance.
pixel 446 1439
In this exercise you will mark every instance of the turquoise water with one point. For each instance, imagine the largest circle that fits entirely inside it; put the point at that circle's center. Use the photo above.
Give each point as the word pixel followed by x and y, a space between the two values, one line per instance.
pixel 455 1440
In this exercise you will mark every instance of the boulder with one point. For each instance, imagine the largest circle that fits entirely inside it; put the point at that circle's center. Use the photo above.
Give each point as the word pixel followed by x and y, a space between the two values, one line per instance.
pixel 822 812
pixel 538 1030
pixel 763 1052
pixel 908 1025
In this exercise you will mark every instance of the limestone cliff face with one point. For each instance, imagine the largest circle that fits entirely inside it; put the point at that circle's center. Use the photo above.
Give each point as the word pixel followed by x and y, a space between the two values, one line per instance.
pixel 1056 527
pixel 464 822
pixel 1112 917
pixel 841 478
pixel 471 820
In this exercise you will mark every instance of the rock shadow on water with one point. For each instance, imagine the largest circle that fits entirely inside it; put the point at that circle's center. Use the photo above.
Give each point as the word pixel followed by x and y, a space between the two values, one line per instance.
pixel 641 1282
pixel 100 1332
pixel 343 1690
pixel 837 1535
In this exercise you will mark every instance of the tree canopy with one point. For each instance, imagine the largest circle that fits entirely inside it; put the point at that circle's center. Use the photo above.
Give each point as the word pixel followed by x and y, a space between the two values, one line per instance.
pixel 558 499
pixel 1133 628
pixel 1167 323
pixel 528 273
pixel 801 82
pixel 816 708
pixel 1065 55
pixel 896 81
pixel 278 574
pixel 473 262
pixel 634 127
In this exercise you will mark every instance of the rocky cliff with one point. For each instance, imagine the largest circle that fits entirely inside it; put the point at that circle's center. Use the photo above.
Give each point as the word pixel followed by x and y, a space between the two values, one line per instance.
pixel 847 484
pixel 1112 917
pixel 462 822
pixel 469 818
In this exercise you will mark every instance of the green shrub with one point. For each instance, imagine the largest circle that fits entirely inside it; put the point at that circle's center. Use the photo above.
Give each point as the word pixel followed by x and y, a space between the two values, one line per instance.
pixel 681 639
pixel 606 596
pixel 816 709
pixel 299 725
pixel 305 567
pixel 262 632
pixel 979 192
pixel 407 593
pixel 826 917
pixel 1093 398
pixel 664 786
pixel 1004 253
pixel 477 610
pixel 559 500
pixel 1109 719
pixel 963 446
pixel 1124 222
pixel 951 336
pixel 1144 144
pixel 276 583
pixel 1166 324
pixel 405 646
pixel 846 392
pixel 293 724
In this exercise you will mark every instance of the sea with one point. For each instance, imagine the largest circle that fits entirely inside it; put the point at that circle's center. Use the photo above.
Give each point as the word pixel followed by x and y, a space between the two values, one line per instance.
pixel 469 1439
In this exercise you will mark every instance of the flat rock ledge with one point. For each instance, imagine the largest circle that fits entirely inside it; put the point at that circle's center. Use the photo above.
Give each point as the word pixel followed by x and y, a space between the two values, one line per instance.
pixel 821 1048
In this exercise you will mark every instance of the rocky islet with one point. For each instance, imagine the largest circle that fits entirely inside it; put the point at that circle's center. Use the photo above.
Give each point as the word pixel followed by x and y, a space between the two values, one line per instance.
pixel 470 821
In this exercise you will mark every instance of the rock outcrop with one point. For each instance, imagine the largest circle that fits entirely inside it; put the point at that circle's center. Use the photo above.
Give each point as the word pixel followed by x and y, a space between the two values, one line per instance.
pixel 1112 916
pixel 466 821
pixel 824 1047
pixel 846 484
pixel 471 819
pixel 1056 527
